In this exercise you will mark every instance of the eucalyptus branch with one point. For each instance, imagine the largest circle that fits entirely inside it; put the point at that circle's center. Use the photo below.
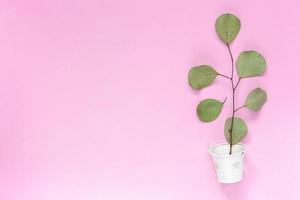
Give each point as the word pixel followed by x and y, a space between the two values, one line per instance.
pixel 227 27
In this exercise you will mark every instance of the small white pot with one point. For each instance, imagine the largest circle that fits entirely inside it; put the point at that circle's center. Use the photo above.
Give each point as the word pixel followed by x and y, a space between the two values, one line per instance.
pixel 229 168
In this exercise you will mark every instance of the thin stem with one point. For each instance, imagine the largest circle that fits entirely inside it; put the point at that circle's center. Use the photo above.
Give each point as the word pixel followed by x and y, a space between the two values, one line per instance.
pixel 240 108
pixel 225 100
pixel 228 47
pixel 233 98
pixel 237 83
pixel 224 76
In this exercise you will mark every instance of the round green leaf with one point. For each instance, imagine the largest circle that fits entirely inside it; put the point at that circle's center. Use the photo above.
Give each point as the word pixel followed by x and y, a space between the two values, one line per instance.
pixel 239 130
pixel 227 27
pixel 209 109
pixel 250 63
pixel 201 76
pixel 256 99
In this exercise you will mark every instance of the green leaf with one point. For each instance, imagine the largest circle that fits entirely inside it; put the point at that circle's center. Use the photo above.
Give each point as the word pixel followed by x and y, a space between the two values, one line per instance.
pixel 227 27
pixel 202 76
pixel 256 99
pixel 250 63
pixel 209 109
pixel 239 130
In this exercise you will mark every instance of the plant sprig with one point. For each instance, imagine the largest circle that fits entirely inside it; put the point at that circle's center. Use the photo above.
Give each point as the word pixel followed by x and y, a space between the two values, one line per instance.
pixel 248 64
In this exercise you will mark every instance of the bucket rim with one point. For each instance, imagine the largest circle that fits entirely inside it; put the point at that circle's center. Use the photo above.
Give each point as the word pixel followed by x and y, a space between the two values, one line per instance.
pixel 210 148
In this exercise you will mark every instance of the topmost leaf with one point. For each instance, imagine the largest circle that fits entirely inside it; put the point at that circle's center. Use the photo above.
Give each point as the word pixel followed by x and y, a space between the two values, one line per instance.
pixel 227 27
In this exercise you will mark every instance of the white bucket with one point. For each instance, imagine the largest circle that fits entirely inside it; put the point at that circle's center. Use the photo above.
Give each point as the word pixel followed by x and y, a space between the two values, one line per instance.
pixel 229 168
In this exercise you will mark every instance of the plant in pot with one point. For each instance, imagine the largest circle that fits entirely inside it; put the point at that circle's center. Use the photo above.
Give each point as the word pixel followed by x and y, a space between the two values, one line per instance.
pixel 228 158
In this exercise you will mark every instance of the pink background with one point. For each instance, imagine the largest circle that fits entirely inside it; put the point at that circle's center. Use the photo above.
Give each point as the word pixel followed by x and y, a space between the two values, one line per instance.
pixel 94 101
